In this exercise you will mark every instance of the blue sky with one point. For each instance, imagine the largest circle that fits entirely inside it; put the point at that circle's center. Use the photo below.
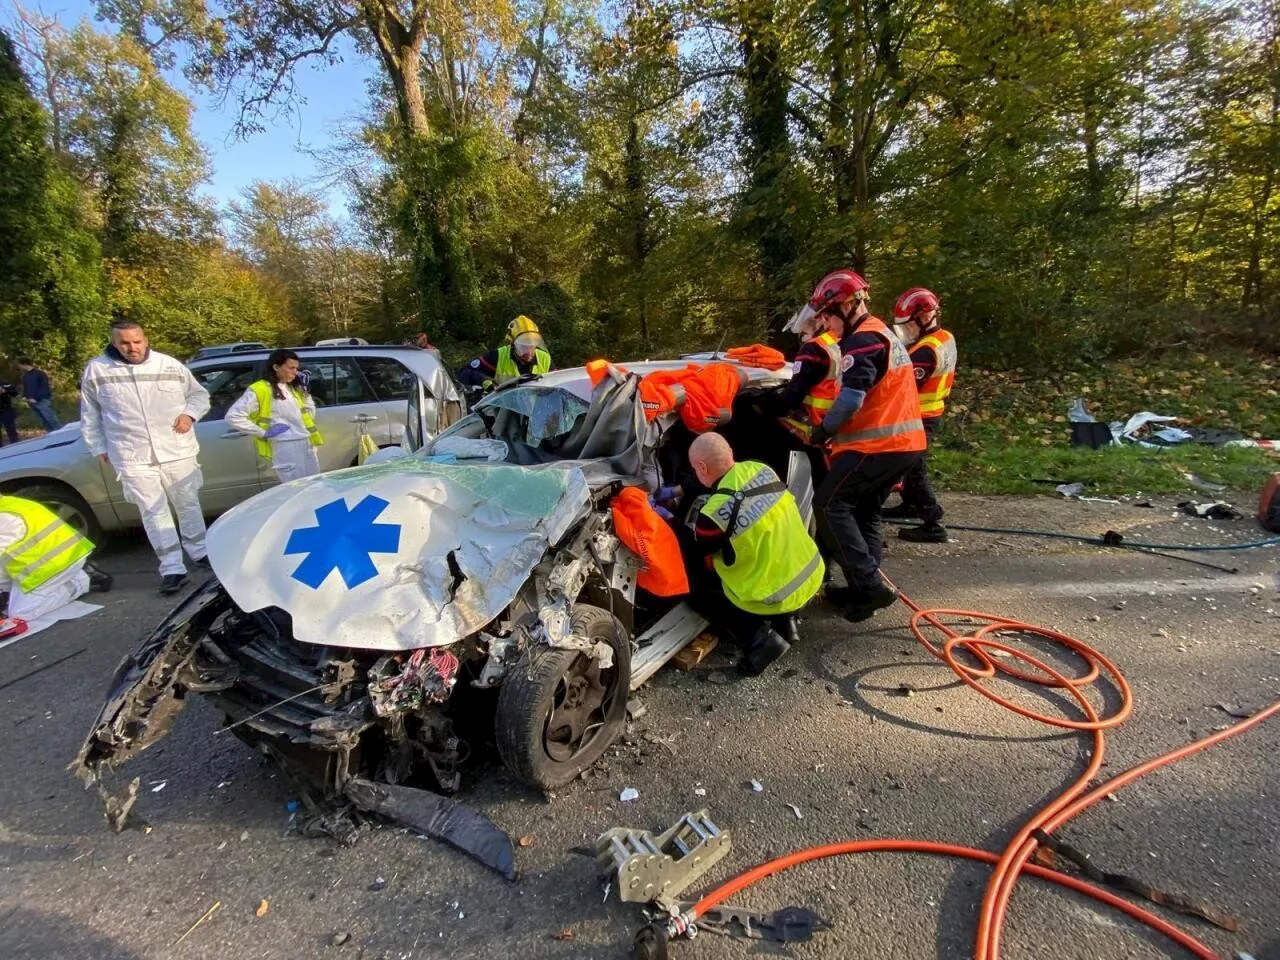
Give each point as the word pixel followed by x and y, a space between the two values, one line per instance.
pixel 332 93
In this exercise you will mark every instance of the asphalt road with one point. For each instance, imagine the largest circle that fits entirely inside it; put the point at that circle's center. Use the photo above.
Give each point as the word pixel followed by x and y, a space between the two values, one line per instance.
pixel 830 730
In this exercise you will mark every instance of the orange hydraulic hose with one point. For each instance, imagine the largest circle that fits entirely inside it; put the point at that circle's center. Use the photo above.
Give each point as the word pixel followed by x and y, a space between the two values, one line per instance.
pixel 999 905
pixel 742 881
pixel 1076 798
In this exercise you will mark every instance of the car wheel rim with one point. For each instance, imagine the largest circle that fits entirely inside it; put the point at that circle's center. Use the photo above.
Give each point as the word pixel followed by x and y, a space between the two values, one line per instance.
pixel 584 698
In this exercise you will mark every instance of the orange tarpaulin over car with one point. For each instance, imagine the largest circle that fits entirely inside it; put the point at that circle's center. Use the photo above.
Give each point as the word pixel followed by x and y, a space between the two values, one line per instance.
pixel 703 394
pixel 649 537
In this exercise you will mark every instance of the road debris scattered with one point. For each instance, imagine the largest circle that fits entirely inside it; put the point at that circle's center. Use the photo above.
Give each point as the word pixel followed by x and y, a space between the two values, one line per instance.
pixel 1213 510
pixel 160 786
pixel 217 905
pixel 757 786
pixel 565 935
pixel 378 885
pixel 628 794
pixel 338 939
pixel 528 840
pixel 796 811
pixel 263 907
pixel 1235 710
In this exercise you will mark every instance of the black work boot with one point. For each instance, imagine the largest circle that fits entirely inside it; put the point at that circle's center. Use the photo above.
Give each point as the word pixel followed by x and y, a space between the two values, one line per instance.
pixel 171 583
pixel 99 580
pixel 866 602
pixel 925 533
pixel 765 647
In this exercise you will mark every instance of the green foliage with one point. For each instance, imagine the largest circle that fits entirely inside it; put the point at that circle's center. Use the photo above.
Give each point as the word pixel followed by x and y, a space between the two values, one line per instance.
pixel 127 135
pixel 208 296
pixel 1078 181
pixel 49 298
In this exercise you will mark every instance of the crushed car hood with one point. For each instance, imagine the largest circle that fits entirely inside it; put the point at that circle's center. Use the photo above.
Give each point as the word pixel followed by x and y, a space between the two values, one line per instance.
pixel 398 555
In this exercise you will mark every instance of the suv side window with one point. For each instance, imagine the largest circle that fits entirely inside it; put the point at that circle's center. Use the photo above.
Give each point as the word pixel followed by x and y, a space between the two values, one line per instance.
pixel 336 382
pixel 225 385
pixel 390 379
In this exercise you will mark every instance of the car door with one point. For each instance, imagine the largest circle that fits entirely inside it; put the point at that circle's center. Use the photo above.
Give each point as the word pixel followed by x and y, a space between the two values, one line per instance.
pixel 393 384
pixel 345 406
pixel 232 469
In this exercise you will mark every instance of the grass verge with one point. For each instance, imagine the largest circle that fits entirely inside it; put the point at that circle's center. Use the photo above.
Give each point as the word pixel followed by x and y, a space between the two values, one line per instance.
pixel 1112 471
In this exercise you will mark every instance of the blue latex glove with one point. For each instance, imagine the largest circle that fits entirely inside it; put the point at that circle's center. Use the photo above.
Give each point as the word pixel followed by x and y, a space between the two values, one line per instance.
pixel 276 429
pixel 660 510
pixel 666 494
pixel 303 380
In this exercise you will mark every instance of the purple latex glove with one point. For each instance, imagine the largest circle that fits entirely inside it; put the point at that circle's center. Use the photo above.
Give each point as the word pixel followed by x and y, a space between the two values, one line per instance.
pixel 275 430
pixel 303 380
pixel 667 494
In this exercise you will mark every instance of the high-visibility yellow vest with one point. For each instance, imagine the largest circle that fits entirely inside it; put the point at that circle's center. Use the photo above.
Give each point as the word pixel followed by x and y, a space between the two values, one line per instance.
pixel 771 564
pixel 508 370
pixel 935 390
pixel 265 391
pixel 51 545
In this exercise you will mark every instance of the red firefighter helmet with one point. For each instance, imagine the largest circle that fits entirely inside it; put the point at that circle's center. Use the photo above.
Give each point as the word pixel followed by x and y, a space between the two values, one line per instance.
pixel 837 289
pixel 913 302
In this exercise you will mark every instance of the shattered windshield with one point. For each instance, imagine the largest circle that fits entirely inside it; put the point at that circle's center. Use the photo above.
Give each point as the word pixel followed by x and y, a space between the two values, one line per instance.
pixel 545 412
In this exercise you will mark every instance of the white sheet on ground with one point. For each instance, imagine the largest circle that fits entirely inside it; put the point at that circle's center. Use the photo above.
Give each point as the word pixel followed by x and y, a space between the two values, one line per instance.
pixel 71 611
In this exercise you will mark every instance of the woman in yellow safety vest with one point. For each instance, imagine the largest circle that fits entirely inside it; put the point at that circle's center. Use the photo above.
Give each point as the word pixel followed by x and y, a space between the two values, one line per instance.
pixel 280 414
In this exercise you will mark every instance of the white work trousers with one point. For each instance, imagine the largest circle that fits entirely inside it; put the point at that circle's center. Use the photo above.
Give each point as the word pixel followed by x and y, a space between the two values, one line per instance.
pixel 49 596
pixel 293 459
pixel 151 487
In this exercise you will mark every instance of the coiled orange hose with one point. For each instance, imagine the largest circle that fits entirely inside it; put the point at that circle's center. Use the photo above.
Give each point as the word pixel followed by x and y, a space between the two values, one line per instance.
pixel 1013 861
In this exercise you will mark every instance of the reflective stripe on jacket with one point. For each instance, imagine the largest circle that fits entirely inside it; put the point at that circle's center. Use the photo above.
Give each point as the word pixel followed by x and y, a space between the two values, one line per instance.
pixel 935 390
pixel 819 399
pixel 771 565
pixel 127 410
pixel 507 368
pixel 49 547
pixel 263 391
pixel 889 419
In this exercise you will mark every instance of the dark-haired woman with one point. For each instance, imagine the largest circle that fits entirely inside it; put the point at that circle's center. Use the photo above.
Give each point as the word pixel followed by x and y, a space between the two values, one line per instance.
pixel 280 414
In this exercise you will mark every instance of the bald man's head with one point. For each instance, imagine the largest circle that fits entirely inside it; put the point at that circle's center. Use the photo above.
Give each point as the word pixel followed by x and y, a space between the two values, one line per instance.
pixel 711 458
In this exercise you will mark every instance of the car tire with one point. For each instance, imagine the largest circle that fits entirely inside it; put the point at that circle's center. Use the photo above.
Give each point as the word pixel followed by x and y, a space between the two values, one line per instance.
pixel 67 504
pixel 542 736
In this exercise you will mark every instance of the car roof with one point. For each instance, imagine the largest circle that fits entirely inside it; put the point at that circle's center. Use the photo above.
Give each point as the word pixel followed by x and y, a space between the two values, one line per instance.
pixel 559 378
pixel 337 349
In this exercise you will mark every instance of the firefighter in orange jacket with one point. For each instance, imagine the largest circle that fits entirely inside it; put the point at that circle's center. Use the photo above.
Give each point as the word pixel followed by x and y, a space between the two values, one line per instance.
pixel 815 374
pixel 876 436
pixel 933 358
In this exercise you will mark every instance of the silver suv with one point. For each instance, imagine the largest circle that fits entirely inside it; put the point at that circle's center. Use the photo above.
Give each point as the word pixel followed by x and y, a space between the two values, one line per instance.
pixel 357 389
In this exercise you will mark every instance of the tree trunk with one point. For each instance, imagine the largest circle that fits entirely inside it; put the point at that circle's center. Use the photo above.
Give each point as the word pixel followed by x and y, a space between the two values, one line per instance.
pixel 400 49
pixel 637 206
pixel 768 157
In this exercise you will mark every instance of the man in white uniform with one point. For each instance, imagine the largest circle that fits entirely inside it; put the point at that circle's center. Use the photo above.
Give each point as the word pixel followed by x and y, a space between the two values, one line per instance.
pixel 137 413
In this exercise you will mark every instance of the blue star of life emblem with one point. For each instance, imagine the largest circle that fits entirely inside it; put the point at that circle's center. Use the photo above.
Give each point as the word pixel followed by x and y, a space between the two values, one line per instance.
pixel 343 540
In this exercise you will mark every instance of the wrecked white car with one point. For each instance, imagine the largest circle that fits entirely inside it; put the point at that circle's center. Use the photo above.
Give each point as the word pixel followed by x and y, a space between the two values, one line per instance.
pixel 369 627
